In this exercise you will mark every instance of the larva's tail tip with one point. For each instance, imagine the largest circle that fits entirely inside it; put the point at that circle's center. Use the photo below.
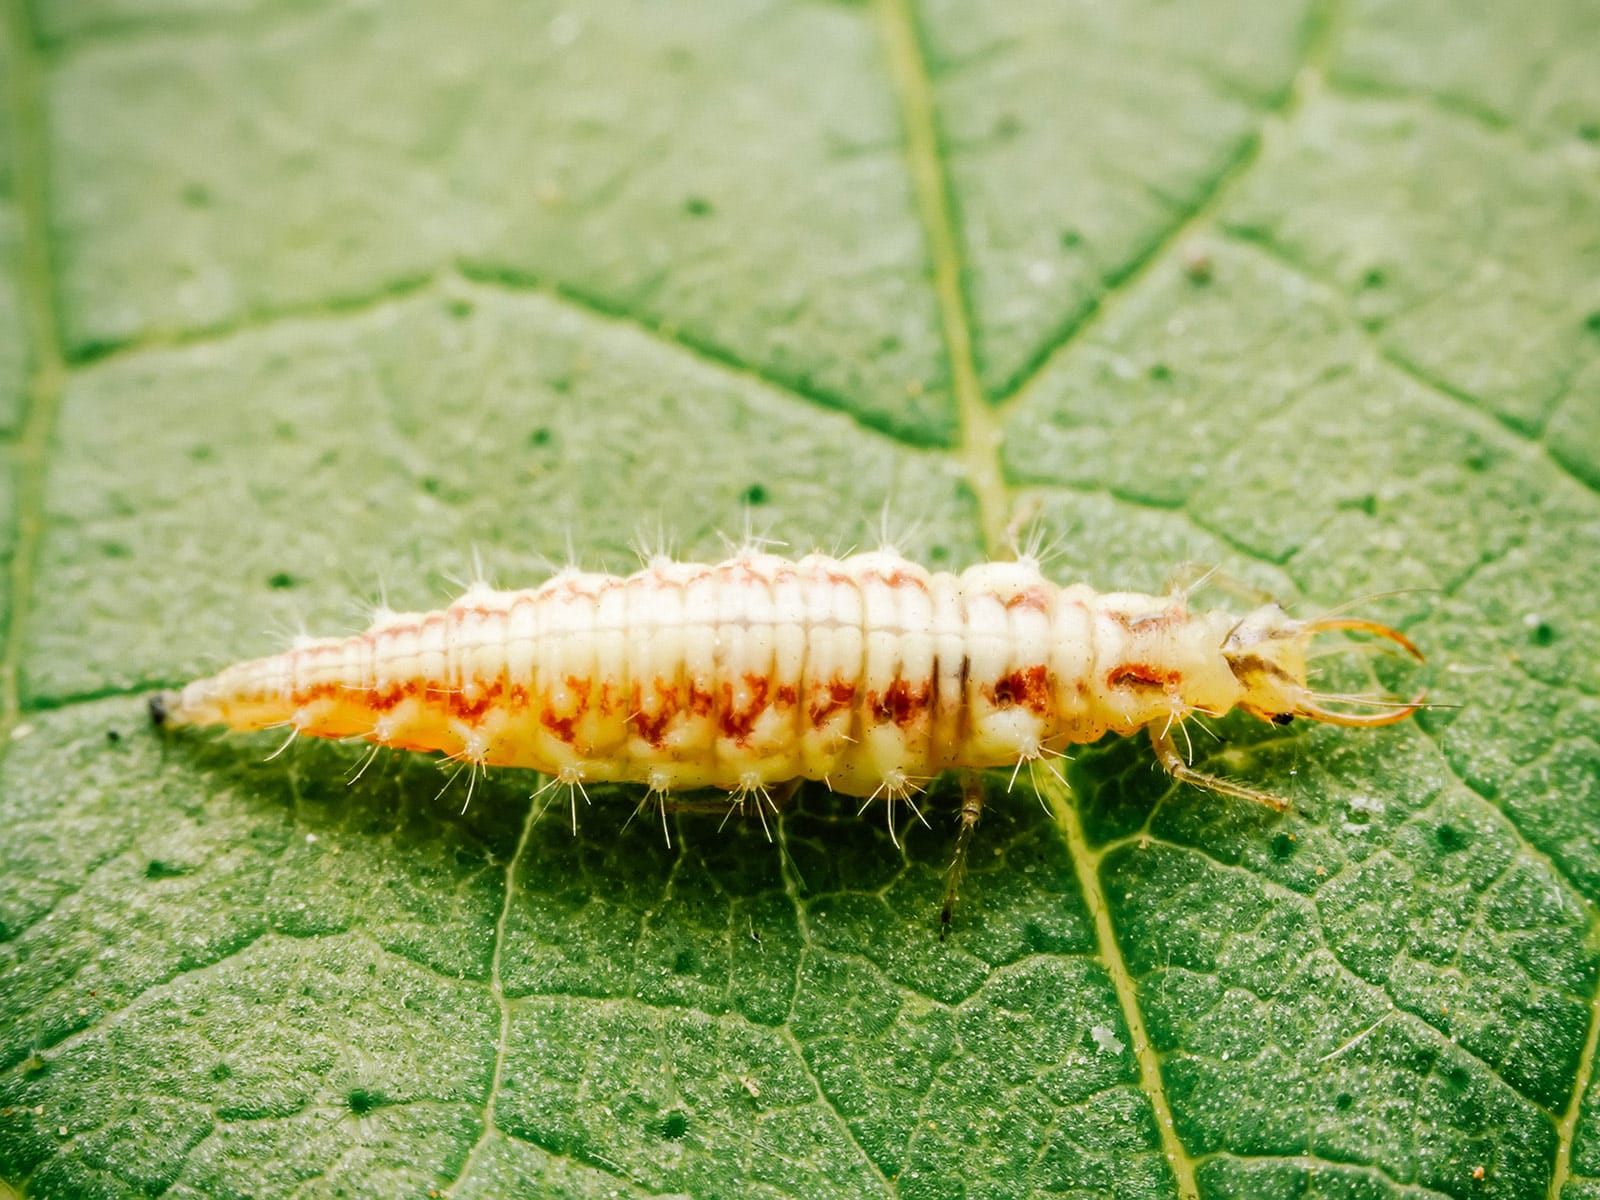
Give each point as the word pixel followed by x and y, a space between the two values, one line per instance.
pixel 160 706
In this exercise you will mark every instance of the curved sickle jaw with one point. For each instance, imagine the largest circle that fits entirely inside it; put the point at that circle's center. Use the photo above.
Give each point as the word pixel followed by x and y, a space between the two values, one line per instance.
pixel 1394 711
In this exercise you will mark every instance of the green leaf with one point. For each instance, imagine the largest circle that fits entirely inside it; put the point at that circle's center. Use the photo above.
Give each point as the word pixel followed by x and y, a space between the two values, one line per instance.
pixel 305 300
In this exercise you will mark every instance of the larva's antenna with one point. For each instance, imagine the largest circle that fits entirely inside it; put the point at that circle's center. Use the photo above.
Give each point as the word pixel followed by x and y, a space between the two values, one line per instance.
pixel 1389 712
pixel 1396 711
pixel 1328 623
pixel 1369 598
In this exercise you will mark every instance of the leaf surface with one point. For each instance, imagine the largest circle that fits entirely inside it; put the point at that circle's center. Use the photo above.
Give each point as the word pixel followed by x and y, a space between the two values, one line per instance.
pixel 308 301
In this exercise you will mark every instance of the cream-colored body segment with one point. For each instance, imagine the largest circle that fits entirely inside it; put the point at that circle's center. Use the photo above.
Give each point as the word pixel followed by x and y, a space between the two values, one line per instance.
pixel 868 672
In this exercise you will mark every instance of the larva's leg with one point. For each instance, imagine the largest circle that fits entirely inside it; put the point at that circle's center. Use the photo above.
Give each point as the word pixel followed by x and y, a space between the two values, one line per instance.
pixel 971 811
pixel 1174 764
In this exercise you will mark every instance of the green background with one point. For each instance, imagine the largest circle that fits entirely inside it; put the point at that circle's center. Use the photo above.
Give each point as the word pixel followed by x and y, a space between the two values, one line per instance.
pixel 304 298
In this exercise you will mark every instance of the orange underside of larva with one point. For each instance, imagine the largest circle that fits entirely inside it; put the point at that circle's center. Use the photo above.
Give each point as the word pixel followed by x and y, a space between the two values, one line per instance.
pixel 868 672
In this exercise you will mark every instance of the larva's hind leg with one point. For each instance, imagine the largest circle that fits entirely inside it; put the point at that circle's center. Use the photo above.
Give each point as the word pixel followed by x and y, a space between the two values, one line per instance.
pixel 1173 763
pixel 971 811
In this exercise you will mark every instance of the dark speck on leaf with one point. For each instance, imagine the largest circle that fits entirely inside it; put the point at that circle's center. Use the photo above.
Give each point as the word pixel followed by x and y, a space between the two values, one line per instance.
pixel 158 709
pixel 113 736
pixel 755 494
pixel 697 206
pixel 1198 267
pixel 1543 633
pixel 362 1101
pixel 675 1126
pixel 281 580
pixel 1592 322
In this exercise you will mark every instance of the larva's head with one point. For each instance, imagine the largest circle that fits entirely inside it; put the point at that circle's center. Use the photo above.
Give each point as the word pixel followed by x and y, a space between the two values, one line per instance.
pixel 1267 652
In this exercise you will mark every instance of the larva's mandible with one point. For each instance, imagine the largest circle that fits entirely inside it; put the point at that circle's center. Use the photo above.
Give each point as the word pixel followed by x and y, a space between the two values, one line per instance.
pixel 869 673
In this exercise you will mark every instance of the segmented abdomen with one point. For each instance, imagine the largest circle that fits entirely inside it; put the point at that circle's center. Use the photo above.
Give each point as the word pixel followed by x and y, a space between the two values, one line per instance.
pixel 863 671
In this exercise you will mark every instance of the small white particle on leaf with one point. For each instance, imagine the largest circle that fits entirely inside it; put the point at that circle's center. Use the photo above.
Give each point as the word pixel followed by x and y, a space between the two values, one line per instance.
pixel 1106 1039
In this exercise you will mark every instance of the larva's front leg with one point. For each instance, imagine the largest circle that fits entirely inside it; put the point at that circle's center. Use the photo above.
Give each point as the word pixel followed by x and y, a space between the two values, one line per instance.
pixel 1173 763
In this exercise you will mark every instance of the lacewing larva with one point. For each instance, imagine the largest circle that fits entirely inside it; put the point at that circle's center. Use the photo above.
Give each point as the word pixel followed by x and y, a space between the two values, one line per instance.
pixel 869 673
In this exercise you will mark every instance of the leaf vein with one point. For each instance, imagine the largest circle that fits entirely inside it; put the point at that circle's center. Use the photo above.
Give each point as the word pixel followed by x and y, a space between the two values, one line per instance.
pixel 1309 77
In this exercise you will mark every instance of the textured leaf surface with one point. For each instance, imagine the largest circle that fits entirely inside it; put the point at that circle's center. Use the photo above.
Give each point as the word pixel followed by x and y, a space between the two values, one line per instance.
pixel 305 298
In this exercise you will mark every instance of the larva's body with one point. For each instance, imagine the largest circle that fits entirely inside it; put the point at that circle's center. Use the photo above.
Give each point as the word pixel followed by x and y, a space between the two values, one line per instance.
pixel 868 672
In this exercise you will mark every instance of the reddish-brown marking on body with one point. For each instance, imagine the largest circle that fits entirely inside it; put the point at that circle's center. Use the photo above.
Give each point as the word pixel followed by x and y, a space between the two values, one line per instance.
pixel 1029 687
pixel 317 691
pixel 899 578
pixel 899 702
pixel 1150 621
pixel 390 697
pixel 701 701
pixel 652 726
pixel 1032 599
pixel 787 695
pixel 1141 675
pixel 472 710
pixel 832 697
pixel 738 723
pixel 562 727
pixel 490 695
